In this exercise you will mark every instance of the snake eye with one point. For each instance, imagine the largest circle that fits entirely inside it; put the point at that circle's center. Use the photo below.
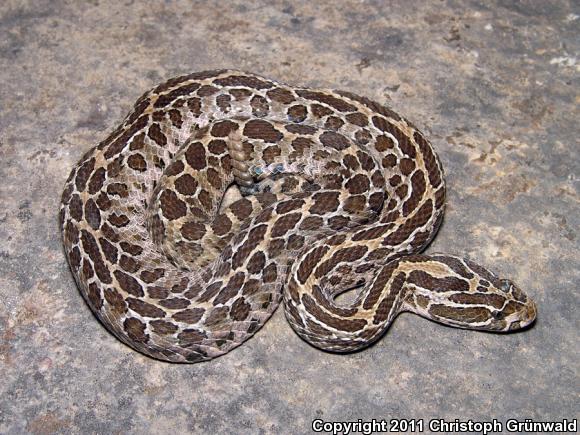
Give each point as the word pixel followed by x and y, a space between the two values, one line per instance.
pixel 498 315
pixel 505 285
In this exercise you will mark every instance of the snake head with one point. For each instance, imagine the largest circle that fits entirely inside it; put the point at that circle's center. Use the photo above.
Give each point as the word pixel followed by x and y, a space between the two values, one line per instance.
pixel 504 306
pixel 516 311
pixel 461 293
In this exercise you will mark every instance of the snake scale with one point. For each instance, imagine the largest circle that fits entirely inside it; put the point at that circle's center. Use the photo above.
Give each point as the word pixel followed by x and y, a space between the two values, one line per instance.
pixel 223 192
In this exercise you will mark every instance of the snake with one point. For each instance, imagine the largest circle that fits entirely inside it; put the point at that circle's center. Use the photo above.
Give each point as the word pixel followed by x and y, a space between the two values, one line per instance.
pixel 223 194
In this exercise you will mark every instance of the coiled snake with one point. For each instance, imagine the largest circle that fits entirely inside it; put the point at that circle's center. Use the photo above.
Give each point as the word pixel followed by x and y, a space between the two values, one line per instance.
pixel 334 193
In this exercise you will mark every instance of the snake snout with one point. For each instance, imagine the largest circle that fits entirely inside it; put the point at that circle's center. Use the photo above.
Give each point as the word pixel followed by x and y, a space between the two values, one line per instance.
pixel 530 312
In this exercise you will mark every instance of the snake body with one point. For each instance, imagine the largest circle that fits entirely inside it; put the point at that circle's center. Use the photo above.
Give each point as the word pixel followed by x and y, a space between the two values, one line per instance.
pixel 334 193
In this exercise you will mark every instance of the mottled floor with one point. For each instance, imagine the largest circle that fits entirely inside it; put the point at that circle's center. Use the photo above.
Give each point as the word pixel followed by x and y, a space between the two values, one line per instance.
pixel 493 84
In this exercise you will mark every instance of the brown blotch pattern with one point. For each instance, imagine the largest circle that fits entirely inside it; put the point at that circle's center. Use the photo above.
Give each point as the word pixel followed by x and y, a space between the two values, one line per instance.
pixel 258 129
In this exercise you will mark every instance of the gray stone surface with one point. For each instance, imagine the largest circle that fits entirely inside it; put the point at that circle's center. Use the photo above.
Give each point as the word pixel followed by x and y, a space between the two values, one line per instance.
pixel 493 84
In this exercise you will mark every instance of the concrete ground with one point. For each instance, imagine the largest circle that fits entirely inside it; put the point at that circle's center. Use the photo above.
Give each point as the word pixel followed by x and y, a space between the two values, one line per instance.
pixel 493 84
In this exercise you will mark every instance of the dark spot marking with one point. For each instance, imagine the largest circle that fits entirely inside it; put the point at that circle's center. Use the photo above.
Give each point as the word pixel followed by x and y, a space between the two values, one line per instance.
pixel 116 301
pixel 240 309
pixel 406 166
pixel 175 116
pixel 384 143
pixel 223 102
pixel 223 128
pixel 131 249
pixel 350 162
pixel 214 178
pixel 289 205
pixel 207 91
pixel 217 147
pixel 138 142
pixel 137 162
pixel 260 106
pixel 372 233
pixel 231 289
pixel 357 119
pixel 171 206
pixel 92 214
pixel 121 142
pixel 285 224
pixel 75 207
pixel 311 223
pixel 157 135
pixel 96 181
pixel 83 174
pixel 135 329
pixel 380 282
pixel 456 266
pixel 129 264
pixel 94 296
pixel 300 129
pixel 163 327
pixel 128 283
pixel 320 111
pixel 175 303
pixel 75 257
pixel 297 113
pixel 366 161
pixel 358 184
pixel 325 202
pixel 152 276
pixel 191 316
pixel 389 161
pixel 221 225
pixel 242 208
pixel 259 129
pixel 144 308
pixel 195 156
pixel 92 249
pixel 118 189
pixel 280 95
pixel 174 168
pixel 193 230
pixel 333 123
pixel 109 250
pixel 255 236
pixel 256 263
pixel 334 140
pixel 186 184
pixel 270 274
pixel 191 337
